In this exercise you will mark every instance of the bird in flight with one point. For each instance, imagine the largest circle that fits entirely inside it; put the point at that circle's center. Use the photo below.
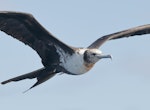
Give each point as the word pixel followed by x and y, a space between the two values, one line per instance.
pixel 56 56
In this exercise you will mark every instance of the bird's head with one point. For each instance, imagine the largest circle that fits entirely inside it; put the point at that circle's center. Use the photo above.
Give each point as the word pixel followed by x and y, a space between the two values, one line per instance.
pixel 94 55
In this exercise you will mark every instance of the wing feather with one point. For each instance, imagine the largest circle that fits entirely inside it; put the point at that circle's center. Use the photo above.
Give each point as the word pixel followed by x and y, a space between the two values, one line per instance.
pixel 26 28
pixel 140 30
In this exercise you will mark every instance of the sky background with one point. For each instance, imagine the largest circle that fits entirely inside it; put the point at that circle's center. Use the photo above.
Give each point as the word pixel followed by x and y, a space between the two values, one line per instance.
pixel 120 84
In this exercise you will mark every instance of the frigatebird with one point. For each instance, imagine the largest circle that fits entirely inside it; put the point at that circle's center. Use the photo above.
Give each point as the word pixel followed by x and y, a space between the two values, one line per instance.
pixel 56 56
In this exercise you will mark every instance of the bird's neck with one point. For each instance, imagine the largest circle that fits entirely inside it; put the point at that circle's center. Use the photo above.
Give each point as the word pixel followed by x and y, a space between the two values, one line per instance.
pixel 88 66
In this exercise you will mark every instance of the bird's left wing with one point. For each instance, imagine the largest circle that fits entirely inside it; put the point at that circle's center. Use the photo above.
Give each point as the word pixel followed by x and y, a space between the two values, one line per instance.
pixel 140 30
pixel 26 28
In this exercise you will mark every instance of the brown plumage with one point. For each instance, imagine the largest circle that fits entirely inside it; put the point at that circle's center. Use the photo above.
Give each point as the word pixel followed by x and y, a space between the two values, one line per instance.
pixel 55 55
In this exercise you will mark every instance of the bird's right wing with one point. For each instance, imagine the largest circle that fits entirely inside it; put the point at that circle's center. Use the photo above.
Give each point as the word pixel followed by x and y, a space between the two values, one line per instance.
pixel 140 30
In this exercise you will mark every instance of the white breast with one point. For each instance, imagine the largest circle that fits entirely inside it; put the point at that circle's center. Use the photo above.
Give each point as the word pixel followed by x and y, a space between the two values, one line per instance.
pixel 74 63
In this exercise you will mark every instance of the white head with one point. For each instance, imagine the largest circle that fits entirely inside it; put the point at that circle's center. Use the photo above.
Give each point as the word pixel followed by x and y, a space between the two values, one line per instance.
pixel 94 55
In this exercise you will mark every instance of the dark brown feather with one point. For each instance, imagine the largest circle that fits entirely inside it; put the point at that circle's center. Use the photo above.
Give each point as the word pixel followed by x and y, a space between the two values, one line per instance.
pixel 25 28
pixel 140 30
pixel 41 75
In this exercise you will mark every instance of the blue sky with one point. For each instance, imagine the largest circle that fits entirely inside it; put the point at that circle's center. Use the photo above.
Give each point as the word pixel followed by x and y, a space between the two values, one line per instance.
pixel 120 84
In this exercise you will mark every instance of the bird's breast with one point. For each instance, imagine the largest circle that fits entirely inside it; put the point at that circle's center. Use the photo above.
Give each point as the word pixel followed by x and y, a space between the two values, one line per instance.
pixel 75 64
pixel 76 67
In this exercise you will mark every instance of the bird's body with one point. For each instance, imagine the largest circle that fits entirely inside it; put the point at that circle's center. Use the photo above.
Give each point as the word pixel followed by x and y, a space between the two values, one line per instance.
pixel 56 56
pixel 74 63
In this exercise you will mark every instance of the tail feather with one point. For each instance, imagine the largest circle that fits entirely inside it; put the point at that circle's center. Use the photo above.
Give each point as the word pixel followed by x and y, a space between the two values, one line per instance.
pixel 30 75
pixel 42 75
pixel 41 79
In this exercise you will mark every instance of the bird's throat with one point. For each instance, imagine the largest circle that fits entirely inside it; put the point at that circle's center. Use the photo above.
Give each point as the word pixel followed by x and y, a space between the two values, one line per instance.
pixel 88 66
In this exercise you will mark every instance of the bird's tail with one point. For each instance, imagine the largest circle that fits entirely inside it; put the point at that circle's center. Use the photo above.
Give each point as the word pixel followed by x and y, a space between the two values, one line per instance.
pixel 42 75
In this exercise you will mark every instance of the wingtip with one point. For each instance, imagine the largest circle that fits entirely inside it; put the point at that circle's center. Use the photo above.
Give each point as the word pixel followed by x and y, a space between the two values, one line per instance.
pixel 5 82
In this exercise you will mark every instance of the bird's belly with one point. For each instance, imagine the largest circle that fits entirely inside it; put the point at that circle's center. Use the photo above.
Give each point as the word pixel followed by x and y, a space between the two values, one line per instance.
pixel 75 68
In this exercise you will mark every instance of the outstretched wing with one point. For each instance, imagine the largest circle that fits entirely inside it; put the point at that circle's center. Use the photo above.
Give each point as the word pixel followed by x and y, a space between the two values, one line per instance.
pixel 140 30
pixel 25 28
